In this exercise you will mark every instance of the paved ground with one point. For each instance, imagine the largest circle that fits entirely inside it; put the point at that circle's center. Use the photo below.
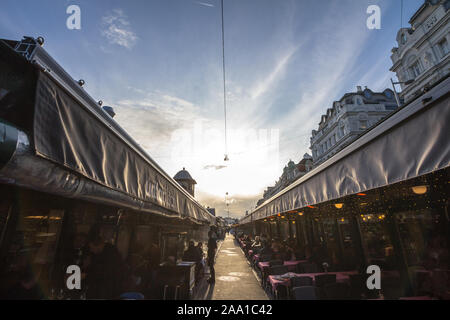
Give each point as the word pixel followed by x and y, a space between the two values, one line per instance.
pixel 235 279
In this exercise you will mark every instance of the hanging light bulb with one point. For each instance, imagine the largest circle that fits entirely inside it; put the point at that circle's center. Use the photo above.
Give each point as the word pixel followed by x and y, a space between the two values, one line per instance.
pixel 419 189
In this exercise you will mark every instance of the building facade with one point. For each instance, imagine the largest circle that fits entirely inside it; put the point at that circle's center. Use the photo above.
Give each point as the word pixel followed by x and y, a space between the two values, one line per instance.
pixel 291 172
pixel 423 49
pixel 354 113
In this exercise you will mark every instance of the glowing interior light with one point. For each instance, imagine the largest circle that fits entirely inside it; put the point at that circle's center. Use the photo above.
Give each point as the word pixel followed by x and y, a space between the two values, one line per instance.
pixel 300 213
pixel 420 189
pixel 361 194
pixel 339 205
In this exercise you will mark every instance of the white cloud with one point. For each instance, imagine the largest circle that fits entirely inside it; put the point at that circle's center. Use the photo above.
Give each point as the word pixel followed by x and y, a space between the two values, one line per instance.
pixel 268 82
pixel 116 28
pixel 204 4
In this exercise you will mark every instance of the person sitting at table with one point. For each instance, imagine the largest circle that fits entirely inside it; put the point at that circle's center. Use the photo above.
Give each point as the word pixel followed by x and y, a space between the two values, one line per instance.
pixel 192 254
pixel 256 243
pixel 266 248
pixel 277 252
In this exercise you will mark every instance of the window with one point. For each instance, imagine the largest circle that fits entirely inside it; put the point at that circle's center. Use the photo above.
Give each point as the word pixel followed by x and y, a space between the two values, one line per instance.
pixel 363 124
pixel 415 69
pixel 443 47
pixel 403 39
pixel 377 241
pixel 341 131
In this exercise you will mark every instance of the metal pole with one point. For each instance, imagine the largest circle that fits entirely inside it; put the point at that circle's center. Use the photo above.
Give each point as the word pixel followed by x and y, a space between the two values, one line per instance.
pixel 395 94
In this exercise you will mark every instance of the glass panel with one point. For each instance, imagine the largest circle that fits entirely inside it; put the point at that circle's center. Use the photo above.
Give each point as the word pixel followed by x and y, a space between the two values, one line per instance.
pixel 329 226
pixel 284 229
pixel 32 251
pixel 4 213
pixel 348 245
pixel 377 241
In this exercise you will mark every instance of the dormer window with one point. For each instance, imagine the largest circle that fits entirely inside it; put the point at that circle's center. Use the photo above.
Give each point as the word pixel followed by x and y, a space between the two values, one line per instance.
pixel 403 38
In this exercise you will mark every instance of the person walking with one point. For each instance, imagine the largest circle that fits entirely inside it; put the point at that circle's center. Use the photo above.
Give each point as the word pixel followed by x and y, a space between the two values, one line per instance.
pixel 212 248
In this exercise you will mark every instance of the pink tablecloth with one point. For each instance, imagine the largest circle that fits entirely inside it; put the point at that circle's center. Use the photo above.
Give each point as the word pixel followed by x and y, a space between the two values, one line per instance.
pixel 290 264
pixel 341 276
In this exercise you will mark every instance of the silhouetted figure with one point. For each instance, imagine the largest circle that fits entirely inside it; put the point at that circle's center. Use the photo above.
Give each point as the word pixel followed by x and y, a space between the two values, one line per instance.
pixel 105 270
pixel 212 247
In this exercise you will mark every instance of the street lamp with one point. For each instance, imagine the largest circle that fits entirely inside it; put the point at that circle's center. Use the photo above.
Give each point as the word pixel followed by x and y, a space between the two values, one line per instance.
pixel 395 91
pixel 226 202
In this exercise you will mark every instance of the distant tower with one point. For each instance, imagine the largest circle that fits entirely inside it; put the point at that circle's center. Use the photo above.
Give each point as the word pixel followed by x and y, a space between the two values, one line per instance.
pixel 185 180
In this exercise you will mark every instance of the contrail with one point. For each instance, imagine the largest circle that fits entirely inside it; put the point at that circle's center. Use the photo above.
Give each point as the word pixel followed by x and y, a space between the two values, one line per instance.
pixel 204 4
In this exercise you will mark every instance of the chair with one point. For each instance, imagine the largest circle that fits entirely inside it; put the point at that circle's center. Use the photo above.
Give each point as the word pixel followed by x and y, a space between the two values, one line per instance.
pixel 301 281
pixel 275 270
pixel 324 279
pixel 321 281
pixel 307 268
pixel 336 291
pixel 264 257
pixel 281 292
pixel 304 293
pixel 275 263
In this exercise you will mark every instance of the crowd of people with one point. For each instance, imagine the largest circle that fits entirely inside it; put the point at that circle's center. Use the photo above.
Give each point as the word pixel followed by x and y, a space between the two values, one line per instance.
pixel 276 249
pixel 105 274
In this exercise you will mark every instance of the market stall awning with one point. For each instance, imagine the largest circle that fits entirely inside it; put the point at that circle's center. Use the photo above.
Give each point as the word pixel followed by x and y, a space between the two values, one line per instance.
pixel 71 130
pixel 410 143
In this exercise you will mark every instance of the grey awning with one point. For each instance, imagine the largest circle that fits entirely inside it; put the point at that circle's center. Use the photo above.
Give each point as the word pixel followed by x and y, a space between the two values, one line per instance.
pixel 410 143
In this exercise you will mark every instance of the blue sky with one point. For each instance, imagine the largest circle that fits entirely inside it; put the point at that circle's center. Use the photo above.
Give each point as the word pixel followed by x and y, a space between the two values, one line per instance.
pixel 159 64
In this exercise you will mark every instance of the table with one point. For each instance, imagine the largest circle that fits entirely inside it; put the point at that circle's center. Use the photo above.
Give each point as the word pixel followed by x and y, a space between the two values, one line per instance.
pixel 291 264
pixel 341 276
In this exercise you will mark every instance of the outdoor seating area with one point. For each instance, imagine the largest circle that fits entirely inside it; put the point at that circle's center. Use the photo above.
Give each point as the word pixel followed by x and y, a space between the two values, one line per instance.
pixel 286 274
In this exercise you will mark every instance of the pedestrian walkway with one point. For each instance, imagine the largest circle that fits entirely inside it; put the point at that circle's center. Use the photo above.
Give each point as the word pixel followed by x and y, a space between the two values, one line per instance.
pixel 235 279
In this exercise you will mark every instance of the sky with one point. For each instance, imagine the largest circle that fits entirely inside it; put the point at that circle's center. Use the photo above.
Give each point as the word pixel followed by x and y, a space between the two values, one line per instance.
pixel 158 63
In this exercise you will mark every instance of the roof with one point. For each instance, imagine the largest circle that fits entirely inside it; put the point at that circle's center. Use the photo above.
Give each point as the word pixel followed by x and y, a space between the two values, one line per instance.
pixel 184 175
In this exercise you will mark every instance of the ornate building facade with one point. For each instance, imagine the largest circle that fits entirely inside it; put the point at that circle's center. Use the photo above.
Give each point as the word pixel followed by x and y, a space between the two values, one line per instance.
pixel 291 172
pixel 423 52
pixel 354 113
